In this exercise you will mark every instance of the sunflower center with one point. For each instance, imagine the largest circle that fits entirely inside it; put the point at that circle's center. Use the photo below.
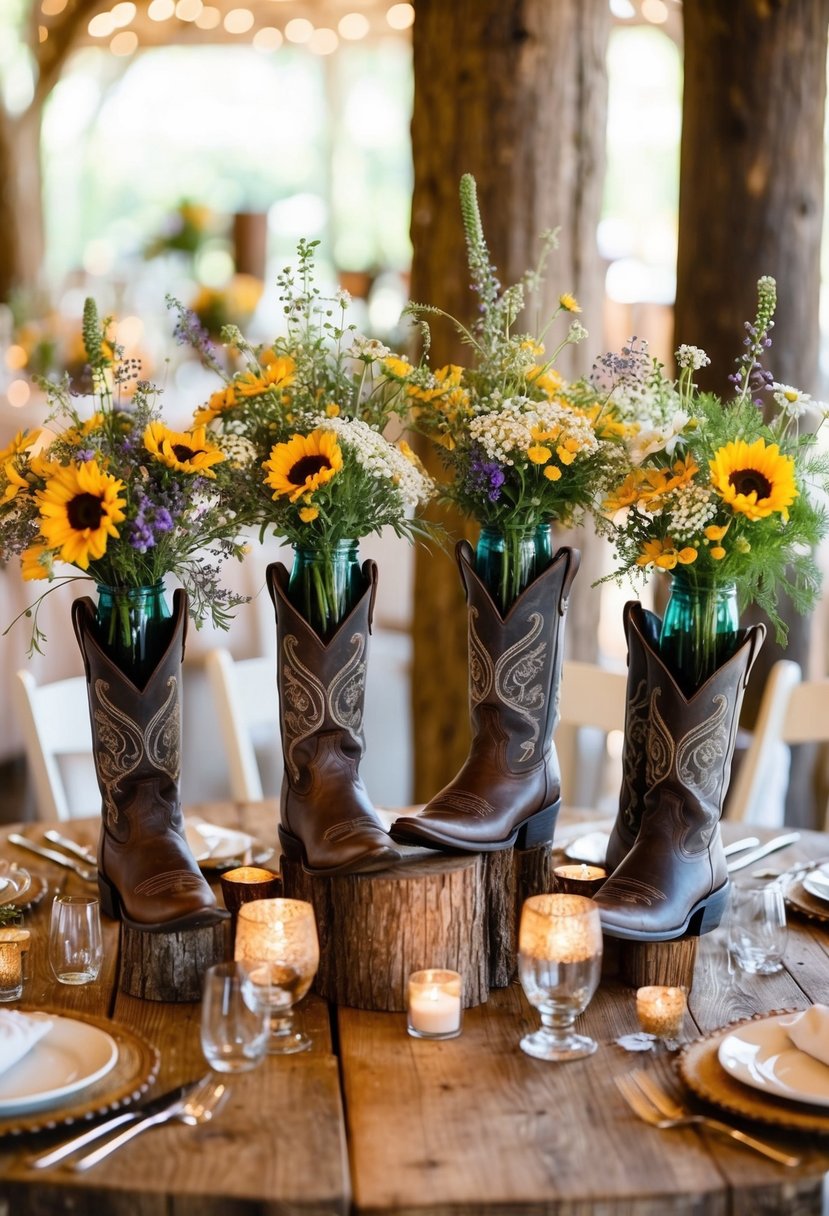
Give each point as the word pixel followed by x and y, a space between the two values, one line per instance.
pixel 750 481
pixel 85 511
pixel 182 452
pixel 307 467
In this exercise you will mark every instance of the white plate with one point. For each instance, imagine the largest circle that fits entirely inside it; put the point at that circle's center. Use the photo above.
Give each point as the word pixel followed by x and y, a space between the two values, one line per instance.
pixel 212 845
pixel 816 883
pixel 591 848
pixel 762 1055
pixel 71 1056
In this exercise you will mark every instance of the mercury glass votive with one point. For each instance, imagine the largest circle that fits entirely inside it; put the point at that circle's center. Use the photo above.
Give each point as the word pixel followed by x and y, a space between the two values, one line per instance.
pixel 11 972
pixel 247 883
pixel 661 1012
pixel 278 938
pixel 434 1006
pixel 578 879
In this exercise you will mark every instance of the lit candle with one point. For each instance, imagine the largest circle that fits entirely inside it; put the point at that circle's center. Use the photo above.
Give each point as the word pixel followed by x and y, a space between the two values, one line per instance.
pixel 11 971
pixel 246 883
pixel 579 879
pixel 434 1004
pixel 661 1011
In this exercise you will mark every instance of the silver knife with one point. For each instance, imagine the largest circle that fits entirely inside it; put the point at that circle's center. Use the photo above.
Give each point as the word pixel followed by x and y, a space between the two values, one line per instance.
pixel 60 859
pixel 771 846
pixel 736 846
pixel 78 850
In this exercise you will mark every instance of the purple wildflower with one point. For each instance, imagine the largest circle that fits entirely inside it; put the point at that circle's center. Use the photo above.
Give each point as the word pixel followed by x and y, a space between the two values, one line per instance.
pixel 485 477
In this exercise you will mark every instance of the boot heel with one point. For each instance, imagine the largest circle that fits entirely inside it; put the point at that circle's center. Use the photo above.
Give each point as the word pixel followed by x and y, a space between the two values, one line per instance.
pixel 708 917
pixel 291 847
pixel 109 897
pixel 539 828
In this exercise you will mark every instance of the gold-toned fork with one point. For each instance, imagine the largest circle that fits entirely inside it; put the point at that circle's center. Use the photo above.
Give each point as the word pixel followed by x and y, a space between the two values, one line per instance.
pixel 202 1105
pixel 654 1105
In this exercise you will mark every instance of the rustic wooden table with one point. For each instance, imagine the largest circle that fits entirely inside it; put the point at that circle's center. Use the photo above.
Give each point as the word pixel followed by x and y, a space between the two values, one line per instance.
pixel 371 1121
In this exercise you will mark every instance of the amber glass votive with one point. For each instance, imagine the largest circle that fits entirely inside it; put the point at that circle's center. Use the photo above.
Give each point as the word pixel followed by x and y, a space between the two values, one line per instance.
pixel 247 883
pixel 661 1010
pixel 578 879
pixel 11 971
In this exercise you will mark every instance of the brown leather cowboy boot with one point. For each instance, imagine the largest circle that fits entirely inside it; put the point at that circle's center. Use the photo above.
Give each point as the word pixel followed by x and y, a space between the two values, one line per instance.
pixel 634 757
pixel 328 822
pixel 147 875
pixel 674 879
pixel 508 791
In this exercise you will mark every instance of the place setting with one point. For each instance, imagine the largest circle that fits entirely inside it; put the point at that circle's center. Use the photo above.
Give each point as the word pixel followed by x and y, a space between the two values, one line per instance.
pixel 216 848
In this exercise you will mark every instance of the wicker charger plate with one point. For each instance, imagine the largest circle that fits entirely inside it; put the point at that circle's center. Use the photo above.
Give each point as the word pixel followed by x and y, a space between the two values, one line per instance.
pixel 808 906
pixel 134 1072
pixel 700 1069
pixel 37 888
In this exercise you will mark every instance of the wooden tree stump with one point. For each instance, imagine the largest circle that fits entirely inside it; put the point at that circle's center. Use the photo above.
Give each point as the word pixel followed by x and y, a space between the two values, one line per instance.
pixel 510 877
pixel 640 964
pixel 171 966
pixel 375 929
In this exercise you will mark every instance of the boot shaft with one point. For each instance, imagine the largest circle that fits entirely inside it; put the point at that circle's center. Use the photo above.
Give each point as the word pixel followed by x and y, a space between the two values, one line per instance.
pixel 136 732
pixel 515 661
pixel 321 684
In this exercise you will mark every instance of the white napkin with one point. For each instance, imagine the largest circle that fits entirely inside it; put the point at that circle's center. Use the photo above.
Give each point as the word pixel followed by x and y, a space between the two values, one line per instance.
pixel 18 1034
pixel 809 1032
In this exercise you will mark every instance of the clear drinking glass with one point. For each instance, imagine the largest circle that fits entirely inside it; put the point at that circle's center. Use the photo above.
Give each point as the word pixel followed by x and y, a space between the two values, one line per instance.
pixel 278 938
pixel 235 1018
pixel 757 928
pixel 76 948
pixel 559 964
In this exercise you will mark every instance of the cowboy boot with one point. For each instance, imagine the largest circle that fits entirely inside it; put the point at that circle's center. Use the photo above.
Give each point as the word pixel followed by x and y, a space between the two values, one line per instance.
pixel 508 791
pixel 632 793
pixel 327 819
pixel 674 879
pixel 147 875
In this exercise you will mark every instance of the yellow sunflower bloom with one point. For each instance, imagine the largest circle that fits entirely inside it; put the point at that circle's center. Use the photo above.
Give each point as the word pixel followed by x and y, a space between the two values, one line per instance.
pixel 754 479
pixel 14 482
pixel 624 495
pixel 34 564
pixel 186 451
pixel 223 399
pixel 279 373
pixel 303 464
pixel 569 303
pixel 79 508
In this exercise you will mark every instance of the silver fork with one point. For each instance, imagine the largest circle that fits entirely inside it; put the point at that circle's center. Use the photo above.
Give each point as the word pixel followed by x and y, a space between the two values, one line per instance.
pixel 202 1105
pixel 653 1105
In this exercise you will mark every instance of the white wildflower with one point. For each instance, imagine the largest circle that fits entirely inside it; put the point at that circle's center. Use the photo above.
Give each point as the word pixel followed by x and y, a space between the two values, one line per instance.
pixel 381 459
pixel 509 432
pixel 658 439
pixel 791 400
pixel 342 297
pixel 238 450
pixel 576 332
pixel 367 349
pixel 691 356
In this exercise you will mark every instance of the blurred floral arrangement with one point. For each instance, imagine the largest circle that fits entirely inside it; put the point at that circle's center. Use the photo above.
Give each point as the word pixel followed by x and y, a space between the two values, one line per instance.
pixel 185 231
pixel 306 417
pixel 520 444
pixel 117 494
pixel 233 304
pixel 712 488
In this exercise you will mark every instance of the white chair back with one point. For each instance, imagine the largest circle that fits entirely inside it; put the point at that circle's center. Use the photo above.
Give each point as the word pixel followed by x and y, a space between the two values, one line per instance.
pixel 54 719
pixel 244 693
pixel 592 708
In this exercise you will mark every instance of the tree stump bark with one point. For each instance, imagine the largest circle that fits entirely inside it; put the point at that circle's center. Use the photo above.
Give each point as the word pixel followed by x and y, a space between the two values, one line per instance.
pixel 510 877
pixel 171 966
pixel 375 929
pixel 640 964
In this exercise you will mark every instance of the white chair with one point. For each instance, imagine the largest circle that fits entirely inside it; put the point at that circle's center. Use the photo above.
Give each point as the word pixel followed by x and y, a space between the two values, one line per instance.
pixel 246 703
pixel 792 710
pixel 57 738
pixel 592 708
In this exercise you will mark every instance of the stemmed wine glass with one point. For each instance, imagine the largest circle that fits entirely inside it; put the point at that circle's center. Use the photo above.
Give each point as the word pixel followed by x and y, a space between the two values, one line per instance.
pixel 278 938
pixel 559 964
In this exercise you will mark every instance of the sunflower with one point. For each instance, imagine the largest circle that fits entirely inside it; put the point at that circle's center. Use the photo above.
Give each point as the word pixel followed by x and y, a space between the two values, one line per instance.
pixel 303 464
pixel 79 508
pixel 279 373
pixel 187 451
pixel 754 479
pixel 36 562
pixel 220 401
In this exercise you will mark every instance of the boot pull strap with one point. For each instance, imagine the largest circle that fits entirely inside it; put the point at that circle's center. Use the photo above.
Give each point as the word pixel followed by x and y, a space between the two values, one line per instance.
pixel 82 609
pixel 756 637
pixel 573 557
pixel 370 575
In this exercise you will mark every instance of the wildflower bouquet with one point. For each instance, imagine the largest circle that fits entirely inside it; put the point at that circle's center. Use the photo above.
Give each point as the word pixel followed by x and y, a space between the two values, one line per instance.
pixel 233 304
pixel 118 494
pixel 714 493
pixel 521 446
pixel 307 416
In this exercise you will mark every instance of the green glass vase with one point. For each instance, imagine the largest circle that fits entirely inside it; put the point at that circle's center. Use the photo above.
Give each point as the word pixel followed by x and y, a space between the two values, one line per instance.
pixel 507 560
pixel 699 629
pixel 325 584
pixel 134 627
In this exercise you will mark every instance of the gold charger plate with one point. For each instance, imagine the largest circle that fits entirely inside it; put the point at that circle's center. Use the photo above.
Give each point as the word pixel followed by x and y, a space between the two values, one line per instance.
pixel 700 1069
pixel 134 1072
pixel 808 906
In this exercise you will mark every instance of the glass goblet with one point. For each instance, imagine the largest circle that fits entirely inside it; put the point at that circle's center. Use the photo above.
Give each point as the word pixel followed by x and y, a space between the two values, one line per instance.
pixel 278 938
pixel 559 965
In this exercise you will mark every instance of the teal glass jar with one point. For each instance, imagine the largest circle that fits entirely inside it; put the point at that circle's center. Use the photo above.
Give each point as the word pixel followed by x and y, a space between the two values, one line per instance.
pixel 699 630
pixel 325 584
pixel 507 560
pixel 133 626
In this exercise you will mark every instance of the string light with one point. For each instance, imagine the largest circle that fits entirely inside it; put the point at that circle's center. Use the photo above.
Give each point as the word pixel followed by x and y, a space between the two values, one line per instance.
pixel 209 18
pixel 101 26
pixel 323 42
pixel 267 39
pixel 298 29
pixel 125 43
pixel 400 16
pixel 353 26
pixel 238 21
pixel 161 10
